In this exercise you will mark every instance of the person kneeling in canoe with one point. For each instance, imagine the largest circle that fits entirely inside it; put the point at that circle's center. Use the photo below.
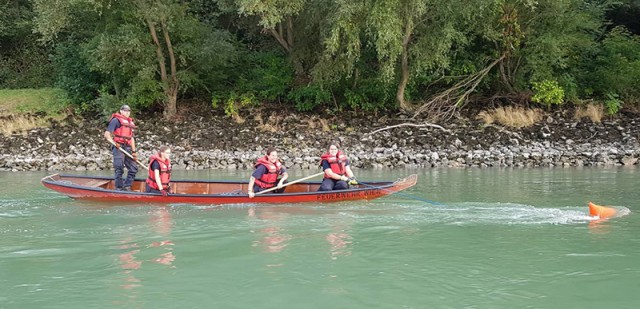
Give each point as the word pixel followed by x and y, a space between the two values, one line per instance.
pixel 268 169
pixel 159 172
pixel 337 172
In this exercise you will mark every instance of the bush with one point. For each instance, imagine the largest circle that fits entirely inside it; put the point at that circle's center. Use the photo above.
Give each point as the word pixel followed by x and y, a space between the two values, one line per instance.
pixel 105 104
pixel 370 95
pixel 73 75
pixel 255 78
pixel 233 103
pixel 270 76
pixel 547 92
pixel 307 98
pixel 616 69
pixel 612 103
pixel 27 66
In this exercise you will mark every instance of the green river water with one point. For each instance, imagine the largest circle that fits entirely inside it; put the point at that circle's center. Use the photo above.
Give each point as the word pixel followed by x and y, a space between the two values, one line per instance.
pixel 504 238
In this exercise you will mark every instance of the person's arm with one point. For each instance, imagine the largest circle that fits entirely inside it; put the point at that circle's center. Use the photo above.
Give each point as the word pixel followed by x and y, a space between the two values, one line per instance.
pixel 349 172
pixel 133 144
pixel 285 175
pixel 252 180
pixel 108 134
pixel 327 171
pixel 158 182
pixel 260 170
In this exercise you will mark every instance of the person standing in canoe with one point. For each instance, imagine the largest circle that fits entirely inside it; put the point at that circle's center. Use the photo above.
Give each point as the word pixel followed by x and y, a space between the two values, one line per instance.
pixel 265 176
pixel 120 132
pixel 337 172
pixel 159 172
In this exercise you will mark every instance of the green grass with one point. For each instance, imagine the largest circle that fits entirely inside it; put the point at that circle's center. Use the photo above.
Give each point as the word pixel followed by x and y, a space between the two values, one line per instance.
pixel 51 101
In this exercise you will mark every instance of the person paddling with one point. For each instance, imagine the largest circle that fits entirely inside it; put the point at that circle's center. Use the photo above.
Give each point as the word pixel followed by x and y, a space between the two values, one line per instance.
pixel 265 176
pixel 337 170
pixel 159 172
pixel 120 132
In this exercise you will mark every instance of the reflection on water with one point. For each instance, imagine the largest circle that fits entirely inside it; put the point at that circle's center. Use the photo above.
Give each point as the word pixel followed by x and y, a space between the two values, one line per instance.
pixel 273 237
pixel 270 226
pixel 599 226
pixel 339 236
pixel 339 242
pixel 160 219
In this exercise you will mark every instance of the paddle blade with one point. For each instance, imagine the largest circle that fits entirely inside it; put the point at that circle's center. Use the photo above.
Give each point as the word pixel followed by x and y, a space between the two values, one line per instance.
pixel 601 211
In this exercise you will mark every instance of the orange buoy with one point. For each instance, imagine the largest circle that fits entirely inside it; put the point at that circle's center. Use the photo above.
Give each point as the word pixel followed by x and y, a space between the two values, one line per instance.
pixel 601 211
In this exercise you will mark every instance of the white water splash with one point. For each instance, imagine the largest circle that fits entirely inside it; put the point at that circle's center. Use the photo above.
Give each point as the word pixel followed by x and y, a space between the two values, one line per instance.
pixel 490 213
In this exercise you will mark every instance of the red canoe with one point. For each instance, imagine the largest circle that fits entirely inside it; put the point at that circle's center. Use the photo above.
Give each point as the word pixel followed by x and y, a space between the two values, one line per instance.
pixel 215 192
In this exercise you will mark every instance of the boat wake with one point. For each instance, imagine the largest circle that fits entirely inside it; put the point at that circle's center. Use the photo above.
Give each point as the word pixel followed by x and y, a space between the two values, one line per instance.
pixel 511 213
pixel 470 213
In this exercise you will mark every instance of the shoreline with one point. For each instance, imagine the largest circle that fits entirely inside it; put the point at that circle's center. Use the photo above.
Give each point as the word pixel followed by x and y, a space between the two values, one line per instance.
pixel 219 143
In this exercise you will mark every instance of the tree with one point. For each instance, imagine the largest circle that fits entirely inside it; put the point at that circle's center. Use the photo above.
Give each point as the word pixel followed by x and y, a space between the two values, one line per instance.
pixel 23 62
pixel 146 47
pixel 410 37
pixel 275 17
pixel 542 39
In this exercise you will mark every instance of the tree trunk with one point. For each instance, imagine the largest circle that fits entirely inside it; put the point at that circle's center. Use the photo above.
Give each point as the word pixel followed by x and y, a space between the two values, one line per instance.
pixel 171 106
pixel 159 53
pixel 173 84
pixel 505 78
pixel 404 79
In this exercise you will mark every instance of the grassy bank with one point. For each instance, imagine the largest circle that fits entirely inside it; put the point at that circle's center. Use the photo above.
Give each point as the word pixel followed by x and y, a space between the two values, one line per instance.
pixel 25 109
pixel 50 101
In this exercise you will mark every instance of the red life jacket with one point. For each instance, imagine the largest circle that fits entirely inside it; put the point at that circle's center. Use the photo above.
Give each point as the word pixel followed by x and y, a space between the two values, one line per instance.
pixel 124 133
pixel 337 163
pixel 165 172
pixel 270 178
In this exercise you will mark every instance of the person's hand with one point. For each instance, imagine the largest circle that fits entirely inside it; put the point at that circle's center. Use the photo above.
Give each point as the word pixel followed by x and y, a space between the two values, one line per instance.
pixel 117 145
pixel 134 154
pixel 279 185
pixel 251 194
pixel 344 178
pixel 164 193
pixel 352 181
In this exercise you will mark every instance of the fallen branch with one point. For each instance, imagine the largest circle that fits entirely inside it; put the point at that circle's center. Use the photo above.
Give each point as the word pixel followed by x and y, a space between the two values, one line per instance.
pixel 446 103
pixel 411 125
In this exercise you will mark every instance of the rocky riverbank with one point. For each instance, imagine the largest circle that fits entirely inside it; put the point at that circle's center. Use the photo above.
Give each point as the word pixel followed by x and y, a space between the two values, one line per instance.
pixel 217 142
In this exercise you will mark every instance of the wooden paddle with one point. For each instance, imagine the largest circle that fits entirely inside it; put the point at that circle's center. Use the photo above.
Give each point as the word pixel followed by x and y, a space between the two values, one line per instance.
pixel 129 155
pixel 290 183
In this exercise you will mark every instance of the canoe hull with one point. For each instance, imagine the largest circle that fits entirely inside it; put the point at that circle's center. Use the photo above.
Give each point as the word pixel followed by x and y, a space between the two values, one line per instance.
pixel 77 190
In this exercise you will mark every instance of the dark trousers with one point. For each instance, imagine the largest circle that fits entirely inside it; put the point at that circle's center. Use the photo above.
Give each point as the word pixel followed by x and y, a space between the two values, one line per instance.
pixel 150 190
pixel 329 184
pixel 120 161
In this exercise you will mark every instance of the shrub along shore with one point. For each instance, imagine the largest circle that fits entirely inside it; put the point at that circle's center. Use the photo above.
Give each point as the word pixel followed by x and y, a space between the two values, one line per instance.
pixel 372 141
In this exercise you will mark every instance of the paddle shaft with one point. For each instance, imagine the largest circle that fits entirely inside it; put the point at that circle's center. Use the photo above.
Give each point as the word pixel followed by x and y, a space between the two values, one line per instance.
pixel 290 183
pixel 128 155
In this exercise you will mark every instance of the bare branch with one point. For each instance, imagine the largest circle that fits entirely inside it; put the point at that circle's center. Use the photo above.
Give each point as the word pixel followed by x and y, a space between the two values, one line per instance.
pixel 290 31
pixel 446 103
pixel 280 39
pixel 172 57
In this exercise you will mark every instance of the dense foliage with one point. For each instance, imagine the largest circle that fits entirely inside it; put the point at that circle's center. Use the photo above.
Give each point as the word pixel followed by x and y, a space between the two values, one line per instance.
pixel 362 55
